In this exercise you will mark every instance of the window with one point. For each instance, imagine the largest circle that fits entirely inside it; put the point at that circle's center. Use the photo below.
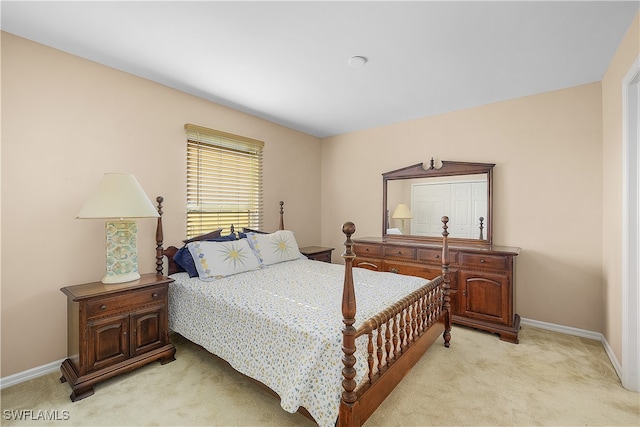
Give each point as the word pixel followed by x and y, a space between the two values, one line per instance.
pixel 224 181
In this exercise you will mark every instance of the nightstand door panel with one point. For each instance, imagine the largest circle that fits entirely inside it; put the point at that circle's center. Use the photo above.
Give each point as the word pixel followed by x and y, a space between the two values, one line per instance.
pixel 108 341
pixel 147 330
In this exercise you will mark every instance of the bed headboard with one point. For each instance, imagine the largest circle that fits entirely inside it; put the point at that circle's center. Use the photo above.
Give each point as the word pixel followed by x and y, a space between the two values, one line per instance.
pixel 170 251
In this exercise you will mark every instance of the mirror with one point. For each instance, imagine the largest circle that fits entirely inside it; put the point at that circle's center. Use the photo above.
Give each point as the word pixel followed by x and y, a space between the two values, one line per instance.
pixel 416 197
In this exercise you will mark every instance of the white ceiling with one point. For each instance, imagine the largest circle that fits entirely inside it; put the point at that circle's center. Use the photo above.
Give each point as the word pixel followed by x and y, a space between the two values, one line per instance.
pixel 287 61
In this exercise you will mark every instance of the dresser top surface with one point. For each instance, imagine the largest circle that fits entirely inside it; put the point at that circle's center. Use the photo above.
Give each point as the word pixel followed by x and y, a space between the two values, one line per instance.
pixel 486 249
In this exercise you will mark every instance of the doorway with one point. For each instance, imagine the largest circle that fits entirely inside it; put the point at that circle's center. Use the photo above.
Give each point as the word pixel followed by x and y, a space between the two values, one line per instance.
pixel 631 228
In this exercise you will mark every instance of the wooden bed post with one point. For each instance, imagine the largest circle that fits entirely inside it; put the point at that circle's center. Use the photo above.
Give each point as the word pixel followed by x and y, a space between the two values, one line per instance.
pixel 348 400
pixel 159 237
pixel 447 280
pixel 281 215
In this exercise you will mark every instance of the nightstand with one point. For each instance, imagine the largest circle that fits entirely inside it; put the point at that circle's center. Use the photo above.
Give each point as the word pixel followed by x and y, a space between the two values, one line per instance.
pixel 317 253
pixel 113 329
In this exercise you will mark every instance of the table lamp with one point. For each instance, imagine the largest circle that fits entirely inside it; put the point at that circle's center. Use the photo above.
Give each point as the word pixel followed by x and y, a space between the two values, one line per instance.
pixel 119 198
pixel 402 212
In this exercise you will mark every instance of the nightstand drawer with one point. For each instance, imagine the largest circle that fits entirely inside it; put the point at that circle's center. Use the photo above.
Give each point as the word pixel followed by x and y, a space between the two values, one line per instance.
pixel 317 253
pixel 324 257
pixel 132 299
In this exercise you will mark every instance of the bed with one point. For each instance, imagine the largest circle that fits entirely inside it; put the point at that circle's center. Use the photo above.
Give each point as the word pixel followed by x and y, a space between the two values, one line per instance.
pixel 292 325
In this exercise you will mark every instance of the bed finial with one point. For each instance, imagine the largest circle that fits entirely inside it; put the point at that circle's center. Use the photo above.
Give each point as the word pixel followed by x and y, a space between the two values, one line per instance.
pixel 447 280
pixel 349 228
pixel 159 236
pixel 281 215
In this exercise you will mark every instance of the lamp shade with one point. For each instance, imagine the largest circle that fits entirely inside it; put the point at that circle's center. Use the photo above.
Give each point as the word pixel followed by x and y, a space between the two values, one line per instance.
pixel 402 212
pixel 119 195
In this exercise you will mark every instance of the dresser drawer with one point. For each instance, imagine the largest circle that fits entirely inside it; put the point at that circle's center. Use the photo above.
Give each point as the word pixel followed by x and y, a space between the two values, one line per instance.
pixel 435 256
pixel 399 252
pixel 493 262
pixel 369 264
pixel 368 250
pixel 132 299
pixel 411 269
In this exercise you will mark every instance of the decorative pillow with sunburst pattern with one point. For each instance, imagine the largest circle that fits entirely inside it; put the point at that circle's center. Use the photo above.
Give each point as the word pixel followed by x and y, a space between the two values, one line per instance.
pixel 220 259
pixel 275 247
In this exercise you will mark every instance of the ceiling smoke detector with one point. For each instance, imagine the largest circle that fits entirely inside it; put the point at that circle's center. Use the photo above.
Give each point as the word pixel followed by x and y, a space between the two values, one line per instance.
pixel 357 61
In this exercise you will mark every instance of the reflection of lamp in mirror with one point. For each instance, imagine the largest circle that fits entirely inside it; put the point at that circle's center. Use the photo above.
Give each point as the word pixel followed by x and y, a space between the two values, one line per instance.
pixel 402 212
pixel 119 198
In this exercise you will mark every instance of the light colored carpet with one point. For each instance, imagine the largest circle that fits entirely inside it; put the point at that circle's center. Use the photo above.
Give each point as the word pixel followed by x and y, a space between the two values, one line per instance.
pixel 549 379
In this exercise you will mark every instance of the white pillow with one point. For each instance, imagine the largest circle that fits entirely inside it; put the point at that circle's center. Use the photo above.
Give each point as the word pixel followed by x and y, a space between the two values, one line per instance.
pixel 220 259
pixel 275 247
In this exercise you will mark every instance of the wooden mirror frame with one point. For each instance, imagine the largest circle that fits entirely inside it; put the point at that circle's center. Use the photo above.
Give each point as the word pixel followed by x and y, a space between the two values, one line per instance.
pixel 448 168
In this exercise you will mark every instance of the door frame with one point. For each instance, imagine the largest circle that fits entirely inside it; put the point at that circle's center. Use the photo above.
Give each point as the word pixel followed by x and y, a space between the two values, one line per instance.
pixel 630 227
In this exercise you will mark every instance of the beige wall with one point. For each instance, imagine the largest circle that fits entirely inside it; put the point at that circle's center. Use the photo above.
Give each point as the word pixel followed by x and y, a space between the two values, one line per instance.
pixel 66 121
pixel 612 162
pixel 547 189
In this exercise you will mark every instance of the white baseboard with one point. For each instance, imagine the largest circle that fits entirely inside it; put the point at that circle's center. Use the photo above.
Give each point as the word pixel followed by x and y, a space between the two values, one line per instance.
pixel 54 366
pixel 578 333
pixel 30 374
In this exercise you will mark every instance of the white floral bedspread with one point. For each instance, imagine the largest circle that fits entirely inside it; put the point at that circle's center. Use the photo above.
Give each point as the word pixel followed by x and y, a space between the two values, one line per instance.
pixel 282 325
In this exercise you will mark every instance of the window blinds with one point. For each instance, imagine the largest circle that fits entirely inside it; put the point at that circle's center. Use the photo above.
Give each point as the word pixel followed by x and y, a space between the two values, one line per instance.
pixel 224 181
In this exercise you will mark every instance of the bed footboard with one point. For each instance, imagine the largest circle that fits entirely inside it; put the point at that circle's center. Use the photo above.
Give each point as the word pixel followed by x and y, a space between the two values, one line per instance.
pixel 397 337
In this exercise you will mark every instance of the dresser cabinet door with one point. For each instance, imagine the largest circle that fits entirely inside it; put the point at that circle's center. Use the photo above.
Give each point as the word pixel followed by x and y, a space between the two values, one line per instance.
pixel 108 341
pixel 148 330
pixel 485 296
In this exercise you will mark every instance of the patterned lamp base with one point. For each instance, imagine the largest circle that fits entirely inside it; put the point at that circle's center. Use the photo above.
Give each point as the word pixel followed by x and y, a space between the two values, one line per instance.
pixel 122 252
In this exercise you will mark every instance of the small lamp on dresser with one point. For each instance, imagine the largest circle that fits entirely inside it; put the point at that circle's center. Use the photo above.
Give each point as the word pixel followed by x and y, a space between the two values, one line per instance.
pixel 402 212
pixel 119 199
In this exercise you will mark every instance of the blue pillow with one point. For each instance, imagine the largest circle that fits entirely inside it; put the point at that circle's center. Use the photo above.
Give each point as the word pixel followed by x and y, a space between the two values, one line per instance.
pixel 185 261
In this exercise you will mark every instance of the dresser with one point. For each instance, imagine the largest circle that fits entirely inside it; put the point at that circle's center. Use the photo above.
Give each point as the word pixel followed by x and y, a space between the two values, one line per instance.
pixel 482 278
pixel 114 328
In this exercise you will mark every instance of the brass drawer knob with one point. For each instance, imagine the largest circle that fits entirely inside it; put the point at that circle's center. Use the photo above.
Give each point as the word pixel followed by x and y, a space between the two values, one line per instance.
pixel 103 307
pixel 154 295
pixel 394 270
